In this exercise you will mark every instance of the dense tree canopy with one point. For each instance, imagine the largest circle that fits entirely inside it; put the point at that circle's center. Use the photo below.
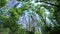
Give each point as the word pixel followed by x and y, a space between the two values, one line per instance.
pixel 29 17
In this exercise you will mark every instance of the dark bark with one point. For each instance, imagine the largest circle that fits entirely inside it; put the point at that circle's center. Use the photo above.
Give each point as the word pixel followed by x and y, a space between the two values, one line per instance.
pixel 30 32
pixel 58 6
pixel 16 4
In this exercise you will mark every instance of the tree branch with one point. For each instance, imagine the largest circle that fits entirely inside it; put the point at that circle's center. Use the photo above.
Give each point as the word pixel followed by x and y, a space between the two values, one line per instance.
pixel 50 3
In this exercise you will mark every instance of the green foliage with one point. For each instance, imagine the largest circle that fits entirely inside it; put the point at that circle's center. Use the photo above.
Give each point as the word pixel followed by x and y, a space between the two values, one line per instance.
pixel 3 2
pixel 57 16
pixel 18 0
pixel 14 14
pixel 56 30
pixel 46 29
pixel 19 11
pixel 37 32
pixel 4 31
pixel 9 24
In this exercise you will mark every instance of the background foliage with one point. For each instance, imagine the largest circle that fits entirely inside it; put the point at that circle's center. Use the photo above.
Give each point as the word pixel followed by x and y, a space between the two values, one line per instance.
pixel 9 17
